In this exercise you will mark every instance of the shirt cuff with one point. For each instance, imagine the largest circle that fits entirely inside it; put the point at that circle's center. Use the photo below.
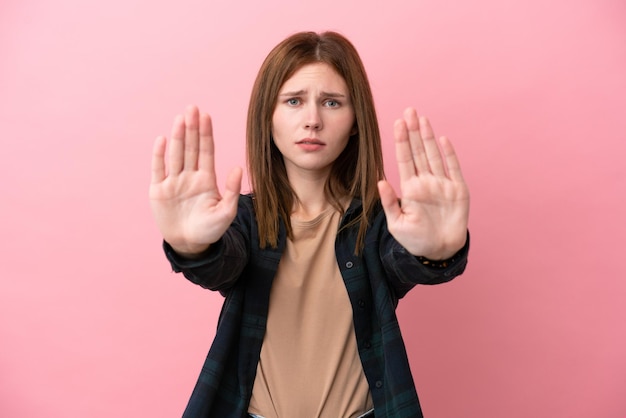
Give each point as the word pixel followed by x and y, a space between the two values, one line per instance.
pixel 180 263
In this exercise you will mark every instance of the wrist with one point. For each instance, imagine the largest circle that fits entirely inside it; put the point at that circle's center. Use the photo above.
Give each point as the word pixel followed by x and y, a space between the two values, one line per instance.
pixel 444 259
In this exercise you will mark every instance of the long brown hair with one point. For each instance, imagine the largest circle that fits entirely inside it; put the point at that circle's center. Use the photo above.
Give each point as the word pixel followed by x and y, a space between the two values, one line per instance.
pixel 354 173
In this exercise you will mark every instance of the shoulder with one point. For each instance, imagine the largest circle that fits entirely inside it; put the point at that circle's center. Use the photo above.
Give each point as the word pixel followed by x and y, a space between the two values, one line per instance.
pixel 245 219
pixel 355 209
pixel 246 205
pixel 246 200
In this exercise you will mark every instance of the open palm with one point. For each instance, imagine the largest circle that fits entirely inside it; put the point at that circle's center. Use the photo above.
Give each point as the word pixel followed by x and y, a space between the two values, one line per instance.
pixel 431 217
pixel 187 205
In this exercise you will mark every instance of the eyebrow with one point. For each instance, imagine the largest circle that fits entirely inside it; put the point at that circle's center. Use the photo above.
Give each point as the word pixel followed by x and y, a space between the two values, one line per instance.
pixel 303 92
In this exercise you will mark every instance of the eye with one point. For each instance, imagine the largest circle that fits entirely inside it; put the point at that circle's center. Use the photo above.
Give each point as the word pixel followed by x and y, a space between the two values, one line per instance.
pixel 293 101
pixel 331 103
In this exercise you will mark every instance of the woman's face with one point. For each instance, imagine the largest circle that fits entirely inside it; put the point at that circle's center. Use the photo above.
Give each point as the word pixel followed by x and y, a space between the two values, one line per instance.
pixel 313 120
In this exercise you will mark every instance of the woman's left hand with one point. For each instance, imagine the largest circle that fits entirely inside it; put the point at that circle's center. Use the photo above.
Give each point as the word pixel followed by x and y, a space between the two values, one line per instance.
pixel 431 218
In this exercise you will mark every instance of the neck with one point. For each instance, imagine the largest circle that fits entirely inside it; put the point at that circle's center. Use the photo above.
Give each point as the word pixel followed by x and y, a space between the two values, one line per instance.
pixel 309 187
pixel 311 198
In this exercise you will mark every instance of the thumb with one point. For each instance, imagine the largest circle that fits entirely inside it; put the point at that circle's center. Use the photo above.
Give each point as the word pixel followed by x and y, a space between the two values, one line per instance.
pixel 389 200
pixel 233 185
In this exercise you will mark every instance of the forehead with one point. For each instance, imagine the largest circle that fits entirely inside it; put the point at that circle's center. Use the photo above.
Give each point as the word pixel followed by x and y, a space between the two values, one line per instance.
pixel 316 75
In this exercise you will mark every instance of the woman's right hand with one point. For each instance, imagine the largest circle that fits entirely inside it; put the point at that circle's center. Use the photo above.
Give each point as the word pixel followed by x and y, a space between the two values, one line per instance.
pixel 186 202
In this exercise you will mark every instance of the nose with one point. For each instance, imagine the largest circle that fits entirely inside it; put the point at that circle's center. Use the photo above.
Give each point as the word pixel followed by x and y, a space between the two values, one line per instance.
pixel 313 118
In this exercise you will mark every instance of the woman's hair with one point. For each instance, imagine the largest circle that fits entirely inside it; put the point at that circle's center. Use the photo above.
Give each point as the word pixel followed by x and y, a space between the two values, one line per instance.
pixel 354 173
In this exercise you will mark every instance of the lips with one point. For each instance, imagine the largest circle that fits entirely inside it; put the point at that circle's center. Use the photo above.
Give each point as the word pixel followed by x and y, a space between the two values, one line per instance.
pixel 310 144
pixel 310 141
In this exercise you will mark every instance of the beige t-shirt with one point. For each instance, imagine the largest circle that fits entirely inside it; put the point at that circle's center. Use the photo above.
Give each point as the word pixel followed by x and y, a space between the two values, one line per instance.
pixel 309 365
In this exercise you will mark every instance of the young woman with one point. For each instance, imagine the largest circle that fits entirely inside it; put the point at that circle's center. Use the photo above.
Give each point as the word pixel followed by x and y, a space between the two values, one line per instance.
pixel 313 262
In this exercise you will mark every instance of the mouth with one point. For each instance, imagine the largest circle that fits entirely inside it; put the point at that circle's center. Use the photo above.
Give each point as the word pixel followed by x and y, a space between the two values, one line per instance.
pixel 310 141
pixel 310 144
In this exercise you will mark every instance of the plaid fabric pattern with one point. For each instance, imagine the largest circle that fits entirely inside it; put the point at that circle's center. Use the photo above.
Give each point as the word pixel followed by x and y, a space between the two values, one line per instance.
pixel 243 273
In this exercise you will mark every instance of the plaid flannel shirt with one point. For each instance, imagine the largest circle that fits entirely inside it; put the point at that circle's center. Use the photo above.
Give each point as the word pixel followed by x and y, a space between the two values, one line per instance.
pixel 375 280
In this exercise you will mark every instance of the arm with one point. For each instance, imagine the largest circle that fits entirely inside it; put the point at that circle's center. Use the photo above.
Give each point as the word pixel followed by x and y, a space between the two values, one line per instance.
pixel 221 264
pixel 406 270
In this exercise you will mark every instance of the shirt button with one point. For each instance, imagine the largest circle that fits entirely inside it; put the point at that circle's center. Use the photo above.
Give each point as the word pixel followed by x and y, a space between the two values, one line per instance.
pixel 361 303
pixel 367 344
pixel 379 384
pixel 349 264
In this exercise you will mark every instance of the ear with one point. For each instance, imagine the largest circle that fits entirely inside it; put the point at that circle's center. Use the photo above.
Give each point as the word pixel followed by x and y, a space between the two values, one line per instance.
pixel 354 130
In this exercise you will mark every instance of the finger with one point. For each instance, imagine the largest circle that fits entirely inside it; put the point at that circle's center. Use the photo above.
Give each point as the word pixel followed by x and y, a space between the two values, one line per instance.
pixel 389 200
pixel 230 200
pixel 404 155
pixel 206 159
pixel 417 144
pixel 176 146
pixel 433 154
pixel 233 187
pixel 452 161
pixel 191 138
pixel 158 160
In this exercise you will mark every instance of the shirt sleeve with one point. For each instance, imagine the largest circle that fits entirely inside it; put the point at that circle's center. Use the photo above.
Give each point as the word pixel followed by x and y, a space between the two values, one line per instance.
pixel 406 270
pixel 221 265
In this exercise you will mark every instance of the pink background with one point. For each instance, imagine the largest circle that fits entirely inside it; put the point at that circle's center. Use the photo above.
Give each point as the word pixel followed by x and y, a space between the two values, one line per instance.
pixel 532 93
